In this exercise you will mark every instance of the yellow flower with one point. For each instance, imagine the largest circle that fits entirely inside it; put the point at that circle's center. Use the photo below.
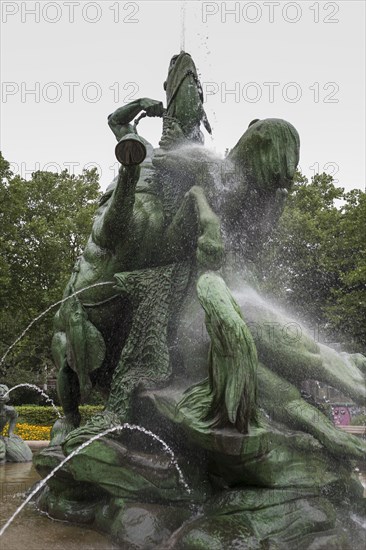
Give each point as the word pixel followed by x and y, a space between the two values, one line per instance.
pixel 30 432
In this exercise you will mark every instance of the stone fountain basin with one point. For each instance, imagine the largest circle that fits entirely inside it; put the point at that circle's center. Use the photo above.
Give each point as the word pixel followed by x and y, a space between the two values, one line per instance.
pixel 247 489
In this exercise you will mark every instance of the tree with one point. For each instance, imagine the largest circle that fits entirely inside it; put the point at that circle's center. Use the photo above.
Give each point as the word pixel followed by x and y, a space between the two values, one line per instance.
pixel 44 224
pixel 346 309
pixel 315 260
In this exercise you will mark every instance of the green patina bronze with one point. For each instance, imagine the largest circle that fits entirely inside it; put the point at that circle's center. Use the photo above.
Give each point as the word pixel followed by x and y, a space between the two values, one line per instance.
pixel 177 345
pixel 229 395
pixel 12 447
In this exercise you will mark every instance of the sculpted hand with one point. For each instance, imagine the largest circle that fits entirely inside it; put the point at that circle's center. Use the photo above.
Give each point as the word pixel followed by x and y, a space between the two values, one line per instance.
pixel 152 107
pixel 210 250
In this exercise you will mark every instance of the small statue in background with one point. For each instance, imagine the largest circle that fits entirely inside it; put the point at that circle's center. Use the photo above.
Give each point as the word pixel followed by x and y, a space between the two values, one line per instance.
pixel 12 447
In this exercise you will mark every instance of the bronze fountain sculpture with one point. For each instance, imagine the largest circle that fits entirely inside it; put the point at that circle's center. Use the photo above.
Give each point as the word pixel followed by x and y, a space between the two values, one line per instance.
pixel 173 248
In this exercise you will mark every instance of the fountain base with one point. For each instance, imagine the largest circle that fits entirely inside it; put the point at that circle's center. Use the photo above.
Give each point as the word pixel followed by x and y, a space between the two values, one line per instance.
pixel 272 486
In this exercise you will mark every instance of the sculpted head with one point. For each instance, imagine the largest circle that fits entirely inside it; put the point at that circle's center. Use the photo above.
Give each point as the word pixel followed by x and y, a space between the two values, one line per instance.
pixel 184 97
pixel 4 398
pixel 179 65
pixel 263 165
pixel 267 154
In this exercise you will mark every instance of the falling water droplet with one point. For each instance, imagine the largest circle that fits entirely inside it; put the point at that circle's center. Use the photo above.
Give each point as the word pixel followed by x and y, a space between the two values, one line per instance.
pixel 183 26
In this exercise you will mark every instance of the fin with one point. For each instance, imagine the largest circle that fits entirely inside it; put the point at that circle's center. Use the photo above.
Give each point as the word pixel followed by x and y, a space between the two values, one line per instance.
pixel 206 123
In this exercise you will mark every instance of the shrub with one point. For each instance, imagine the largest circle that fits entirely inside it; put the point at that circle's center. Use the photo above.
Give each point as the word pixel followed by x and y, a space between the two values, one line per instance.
pixel 358 420
pixel 46 416
pixel 35 423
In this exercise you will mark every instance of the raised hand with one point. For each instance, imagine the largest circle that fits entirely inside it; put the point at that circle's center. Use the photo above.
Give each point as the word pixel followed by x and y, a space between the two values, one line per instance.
pixel 152 107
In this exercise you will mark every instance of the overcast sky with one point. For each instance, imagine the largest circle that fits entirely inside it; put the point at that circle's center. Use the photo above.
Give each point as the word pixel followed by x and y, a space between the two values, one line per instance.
pixel 66 65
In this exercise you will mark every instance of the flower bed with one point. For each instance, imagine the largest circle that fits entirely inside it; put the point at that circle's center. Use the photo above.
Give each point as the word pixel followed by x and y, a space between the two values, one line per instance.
pixel 31 432
pixel 35 422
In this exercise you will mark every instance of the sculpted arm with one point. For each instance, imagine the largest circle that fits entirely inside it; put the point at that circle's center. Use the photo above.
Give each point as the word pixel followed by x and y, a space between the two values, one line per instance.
pixel 114 217
pixel 196 223
pixel 283 401
pixel 119 121
pixel 12 416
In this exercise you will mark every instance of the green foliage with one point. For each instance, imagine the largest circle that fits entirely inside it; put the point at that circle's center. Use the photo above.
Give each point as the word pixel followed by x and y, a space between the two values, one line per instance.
pixel 315 261
pixel 358 420
pixel 46 416
pixel 346 309
pixel 44 224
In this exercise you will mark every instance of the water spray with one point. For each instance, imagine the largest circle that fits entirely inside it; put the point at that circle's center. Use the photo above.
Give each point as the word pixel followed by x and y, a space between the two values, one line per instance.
pixel 82 447
pixel 45 312
pixel 43 394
